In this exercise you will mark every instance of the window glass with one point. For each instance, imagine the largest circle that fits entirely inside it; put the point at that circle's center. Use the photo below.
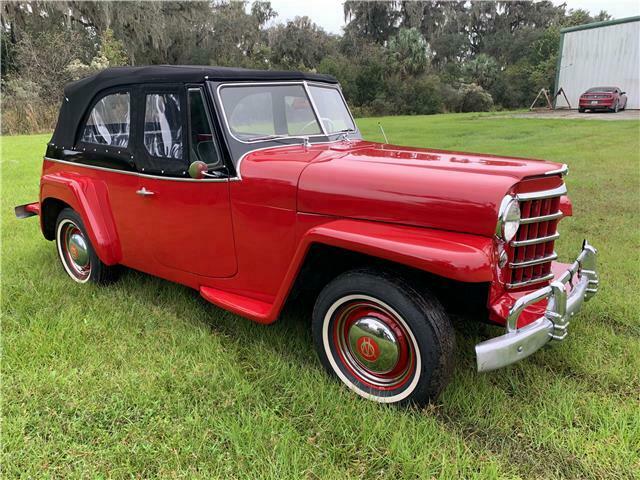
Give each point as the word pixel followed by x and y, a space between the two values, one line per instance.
pixel 108 122
pixel 203 147
pixel 163 125
pixel 331 108
pixel 253 112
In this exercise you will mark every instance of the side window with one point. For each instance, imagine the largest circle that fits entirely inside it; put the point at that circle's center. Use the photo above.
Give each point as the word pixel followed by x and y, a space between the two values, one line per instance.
pixel 203 146
pixel 109 121
pixel 162 134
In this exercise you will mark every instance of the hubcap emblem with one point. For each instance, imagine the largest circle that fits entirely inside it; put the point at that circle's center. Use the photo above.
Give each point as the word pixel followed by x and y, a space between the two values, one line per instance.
pixel 368 348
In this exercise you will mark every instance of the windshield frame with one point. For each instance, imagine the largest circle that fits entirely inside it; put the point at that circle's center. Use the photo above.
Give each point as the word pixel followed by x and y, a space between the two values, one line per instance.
pixel 305 84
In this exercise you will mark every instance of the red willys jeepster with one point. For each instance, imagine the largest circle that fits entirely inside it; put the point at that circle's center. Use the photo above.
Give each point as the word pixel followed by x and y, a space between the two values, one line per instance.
pixel 255 186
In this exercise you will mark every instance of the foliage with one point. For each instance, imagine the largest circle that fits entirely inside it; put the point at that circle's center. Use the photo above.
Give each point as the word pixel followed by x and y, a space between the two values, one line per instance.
pixel 473 98
pixel 144 379
pixel 393 56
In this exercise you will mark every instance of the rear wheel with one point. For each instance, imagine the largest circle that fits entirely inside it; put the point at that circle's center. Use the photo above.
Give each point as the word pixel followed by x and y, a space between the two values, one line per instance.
pixel 382 338
pixel 616 107
pixel 581 110
pixel 76 252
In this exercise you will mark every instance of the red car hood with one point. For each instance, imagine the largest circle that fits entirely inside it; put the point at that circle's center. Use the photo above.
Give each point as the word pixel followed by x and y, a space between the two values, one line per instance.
pixel 430 188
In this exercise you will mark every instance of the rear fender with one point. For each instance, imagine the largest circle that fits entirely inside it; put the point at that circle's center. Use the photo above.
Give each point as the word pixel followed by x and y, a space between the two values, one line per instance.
pixel 89 197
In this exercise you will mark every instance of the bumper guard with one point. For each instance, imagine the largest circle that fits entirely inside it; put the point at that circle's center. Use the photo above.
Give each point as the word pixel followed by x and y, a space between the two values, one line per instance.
pixel 519 343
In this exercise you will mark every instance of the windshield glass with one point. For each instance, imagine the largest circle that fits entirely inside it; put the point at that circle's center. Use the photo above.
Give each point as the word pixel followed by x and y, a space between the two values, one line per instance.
pixel 331 108
pixel 602 89
pixel 264 112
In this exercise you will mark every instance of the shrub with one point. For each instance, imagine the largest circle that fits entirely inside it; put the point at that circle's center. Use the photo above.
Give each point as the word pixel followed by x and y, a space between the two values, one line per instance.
pixel 474 98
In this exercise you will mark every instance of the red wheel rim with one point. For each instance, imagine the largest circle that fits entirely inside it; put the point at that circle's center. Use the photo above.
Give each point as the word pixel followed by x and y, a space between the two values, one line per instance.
pixel 373 344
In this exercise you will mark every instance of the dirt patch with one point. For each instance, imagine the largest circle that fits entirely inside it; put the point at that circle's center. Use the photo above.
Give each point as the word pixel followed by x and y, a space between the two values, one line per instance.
pixel 575 115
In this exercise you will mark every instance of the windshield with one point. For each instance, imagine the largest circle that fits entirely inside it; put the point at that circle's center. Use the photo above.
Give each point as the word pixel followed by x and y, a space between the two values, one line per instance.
pixel 602 89
pixel 265 112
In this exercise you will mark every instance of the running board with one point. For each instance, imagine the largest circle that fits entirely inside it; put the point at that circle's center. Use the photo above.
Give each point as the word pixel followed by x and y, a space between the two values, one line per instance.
pixel 251 308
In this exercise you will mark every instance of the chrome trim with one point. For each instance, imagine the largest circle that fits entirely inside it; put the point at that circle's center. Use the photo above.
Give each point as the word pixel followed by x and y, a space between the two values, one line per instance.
pixel 144 192
pixel 542 218
pixel 502 211
pixel 562 171
pixel 143 175
pixel 540 195
pixel 531 263
pixel 22 212
pixel 304 83
pixel 534 241
pixel 259 84
pixel 533 281
pixel 314 108
pixel 519 343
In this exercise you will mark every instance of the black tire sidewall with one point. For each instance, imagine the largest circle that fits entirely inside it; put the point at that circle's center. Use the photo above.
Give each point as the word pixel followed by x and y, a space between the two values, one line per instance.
pixel 423 316
pixel 96 264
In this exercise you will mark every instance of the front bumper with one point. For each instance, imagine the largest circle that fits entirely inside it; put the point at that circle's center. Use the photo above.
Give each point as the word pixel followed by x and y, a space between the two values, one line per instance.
pixel 563 304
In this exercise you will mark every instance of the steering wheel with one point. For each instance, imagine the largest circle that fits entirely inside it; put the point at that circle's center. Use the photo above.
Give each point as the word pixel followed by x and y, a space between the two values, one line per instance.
pixel 327 122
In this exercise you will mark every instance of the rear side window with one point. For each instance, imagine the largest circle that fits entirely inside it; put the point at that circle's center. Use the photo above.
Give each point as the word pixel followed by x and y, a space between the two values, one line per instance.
pixel 109 121
pixel 163 125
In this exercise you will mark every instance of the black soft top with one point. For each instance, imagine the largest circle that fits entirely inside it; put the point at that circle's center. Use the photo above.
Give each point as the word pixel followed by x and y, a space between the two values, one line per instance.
pixel 79 95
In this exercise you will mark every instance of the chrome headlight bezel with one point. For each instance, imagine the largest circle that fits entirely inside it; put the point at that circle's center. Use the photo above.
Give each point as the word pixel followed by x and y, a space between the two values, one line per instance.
pixel 508 218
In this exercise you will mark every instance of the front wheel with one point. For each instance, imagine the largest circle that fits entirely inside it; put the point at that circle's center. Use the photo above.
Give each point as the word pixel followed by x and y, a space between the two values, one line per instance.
pixel 76 253
pixel 382 338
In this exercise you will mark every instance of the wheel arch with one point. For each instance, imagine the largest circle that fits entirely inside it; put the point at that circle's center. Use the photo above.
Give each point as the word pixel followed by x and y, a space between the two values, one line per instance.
pixel 450 263
pixel 90 199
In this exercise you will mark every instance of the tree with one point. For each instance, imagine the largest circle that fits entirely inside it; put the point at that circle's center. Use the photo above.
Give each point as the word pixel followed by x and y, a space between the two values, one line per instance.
pixel 300 44
pixel 409 52
pixel 374 21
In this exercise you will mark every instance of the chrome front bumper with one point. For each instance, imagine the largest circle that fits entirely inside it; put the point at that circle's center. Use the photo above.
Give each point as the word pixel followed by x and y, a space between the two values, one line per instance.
pixel 519 343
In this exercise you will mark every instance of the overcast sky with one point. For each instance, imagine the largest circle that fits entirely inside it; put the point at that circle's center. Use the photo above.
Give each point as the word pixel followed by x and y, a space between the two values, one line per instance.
pixel 329 14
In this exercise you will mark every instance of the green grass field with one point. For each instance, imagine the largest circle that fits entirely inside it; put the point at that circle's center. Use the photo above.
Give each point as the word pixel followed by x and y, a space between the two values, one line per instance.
pixel 145 379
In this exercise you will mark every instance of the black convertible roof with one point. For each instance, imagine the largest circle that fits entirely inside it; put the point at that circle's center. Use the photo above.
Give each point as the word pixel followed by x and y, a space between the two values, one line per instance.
pixel 79 94
pixel 112 77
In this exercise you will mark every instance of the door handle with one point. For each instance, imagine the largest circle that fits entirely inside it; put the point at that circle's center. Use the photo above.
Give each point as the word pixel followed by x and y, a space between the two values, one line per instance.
pixel 144 192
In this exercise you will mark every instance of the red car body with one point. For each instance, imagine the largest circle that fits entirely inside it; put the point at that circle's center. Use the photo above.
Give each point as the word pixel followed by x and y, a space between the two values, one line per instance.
pixel 247 240
pixel 609 99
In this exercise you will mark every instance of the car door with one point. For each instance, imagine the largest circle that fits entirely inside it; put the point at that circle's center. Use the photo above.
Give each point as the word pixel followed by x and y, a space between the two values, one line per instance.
pixel 187 221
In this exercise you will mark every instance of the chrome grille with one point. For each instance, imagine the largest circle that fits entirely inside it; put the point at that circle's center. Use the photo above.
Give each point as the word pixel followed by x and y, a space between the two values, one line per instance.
pixel 531 251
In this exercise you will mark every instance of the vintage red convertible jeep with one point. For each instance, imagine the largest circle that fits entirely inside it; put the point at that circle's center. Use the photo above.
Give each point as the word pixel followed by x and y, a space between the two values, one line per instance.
pixel 255 186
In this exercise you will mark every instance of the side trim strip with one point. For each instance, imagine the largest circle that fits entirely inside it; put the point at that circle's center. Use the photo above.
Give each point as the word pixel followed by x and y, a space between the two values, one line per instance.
pixel 137 174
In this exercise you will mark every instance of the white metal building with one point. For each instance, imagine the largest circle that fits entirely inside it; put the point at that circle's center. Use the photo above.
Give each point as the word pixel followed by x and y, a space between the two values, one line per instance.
pixel 600 54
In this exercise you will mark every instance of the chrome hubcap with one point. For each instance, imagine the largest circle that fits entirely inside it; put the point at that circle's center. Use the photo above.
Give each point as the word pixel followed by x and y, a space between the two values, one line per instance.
pixel 373 345
pixel 74 251
pixel 78 249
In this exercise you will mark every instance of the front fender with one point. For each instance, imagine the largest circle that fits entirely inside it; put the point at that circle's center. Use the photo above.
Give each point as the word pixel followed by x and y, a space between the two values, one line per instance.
pixel 458 256
pixel 90 198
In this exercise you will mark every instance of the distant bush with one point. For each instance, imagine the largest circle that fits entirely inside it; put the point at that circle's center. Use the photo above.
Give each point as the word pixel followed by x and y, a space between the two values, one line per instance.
pixel 474 98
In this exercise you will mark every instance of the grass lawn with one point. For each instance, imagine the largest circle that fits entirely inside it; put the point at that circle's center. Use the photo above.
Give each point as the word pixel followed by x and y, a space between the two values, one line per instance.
pixel 145 379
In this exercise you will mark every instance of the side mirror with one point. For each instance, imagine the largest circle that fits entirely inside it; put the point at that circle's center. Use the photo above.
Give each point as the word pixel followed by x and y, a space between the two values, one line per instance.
pixel 198 169
pixel 623 93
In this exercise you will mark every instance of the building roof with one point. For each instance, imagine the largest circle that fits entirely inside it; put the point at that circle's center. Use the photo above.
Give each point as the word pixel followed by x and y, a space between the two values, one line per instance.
pixel 606 23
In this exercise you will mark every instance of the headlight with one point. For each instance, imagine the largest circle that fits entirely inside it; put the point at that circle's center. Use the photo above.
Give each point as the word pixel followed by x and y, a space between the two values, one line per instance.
pixel 508 218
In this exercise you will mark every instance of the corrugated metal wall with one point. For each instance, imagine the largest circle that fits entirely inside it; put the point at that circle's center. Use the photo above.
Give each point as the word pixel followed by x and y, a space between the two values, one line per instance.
pixel 603 56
